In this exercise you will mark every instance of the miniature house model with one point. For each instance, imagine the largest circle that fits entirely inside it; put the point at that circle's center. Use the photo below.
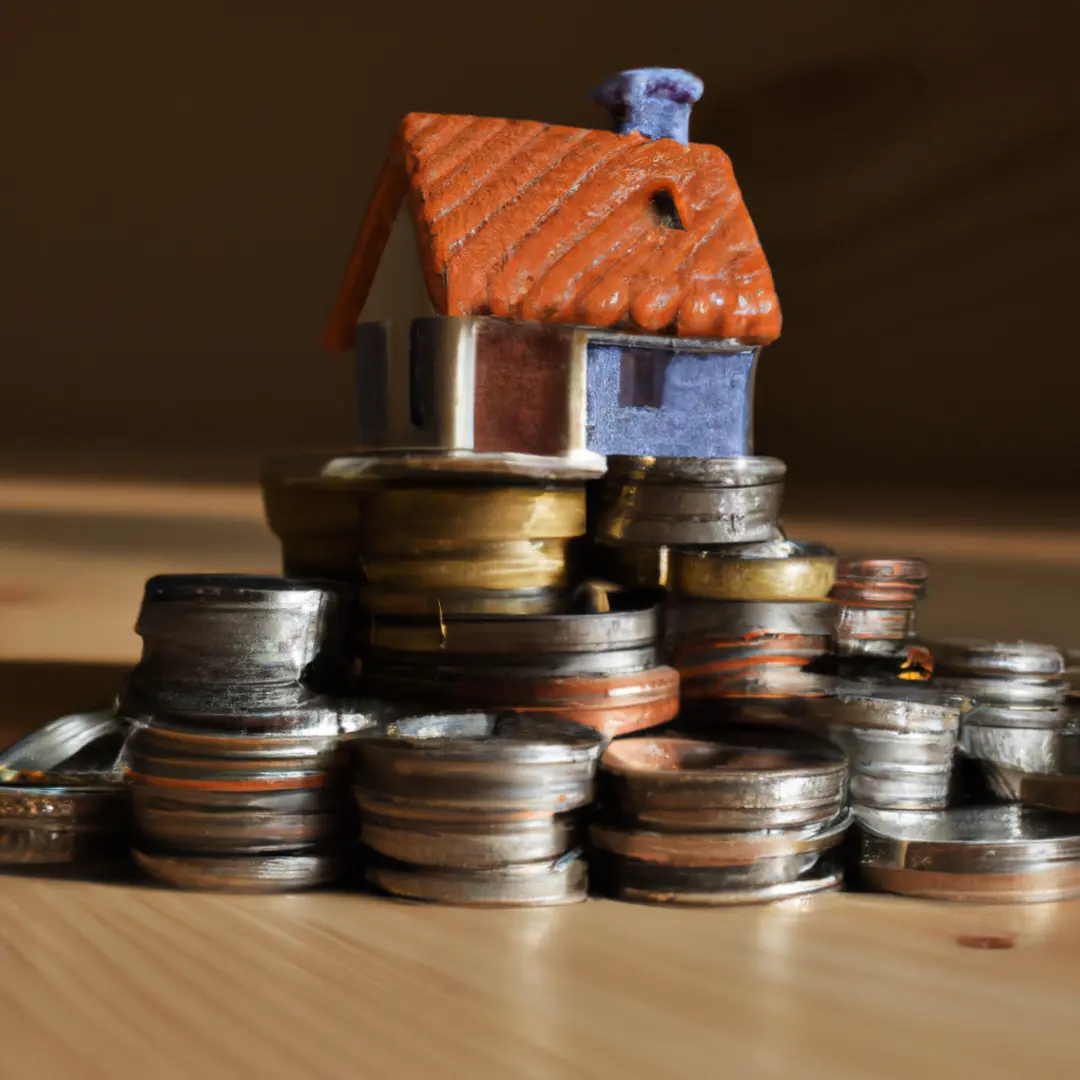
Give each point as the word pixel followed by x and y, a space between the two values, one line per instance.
pixel 576 292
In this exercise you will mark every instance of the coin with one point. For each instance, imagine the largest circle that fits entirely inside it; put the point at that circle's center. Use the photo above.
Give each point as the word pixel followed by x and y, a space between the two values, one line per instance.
pixel 807 573
pixel 988 659
pixel 484 761
pixel 240 873
pixel 545 883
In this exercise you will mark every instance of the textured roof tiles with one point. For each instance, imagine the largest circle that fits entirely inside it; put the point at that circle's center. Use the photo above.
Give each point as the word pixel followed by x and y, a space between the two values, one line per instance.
pixel 536 221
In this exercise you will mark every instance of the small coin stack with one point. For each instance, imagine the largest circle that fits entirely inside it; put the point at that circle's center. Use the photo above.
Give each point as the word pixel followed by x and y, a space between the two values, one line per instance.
pixel 477 808
pixel 601 669
pixel 62 799
pixel 982 854
pixel 876 636
pixel 750 817
pixel 1024 738
pixel 237 769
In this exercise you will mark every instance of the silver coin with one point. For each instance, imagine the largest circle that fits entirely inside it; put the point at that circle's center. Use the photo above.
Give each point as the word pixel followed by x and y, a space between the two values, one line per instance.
pixel 967 839
pixel 766 881
pixel 472 845
pixel 240 873
pixel 58 742
pixel 535 636
pixel 1030 691
pixel 904 708
pixel 996 658
pixel 546 883
pixel 739 618
pixel 1052 717
pixel 227 630
pixel 903 791
pixel 232 832
pixel 486 761
pixel 1040 751
pixel 524 666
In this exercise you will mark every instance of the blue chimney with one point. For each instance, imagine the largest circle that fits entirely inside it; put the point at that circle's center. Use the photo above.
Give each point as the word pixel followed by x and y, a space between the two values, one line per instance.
pixel 654 101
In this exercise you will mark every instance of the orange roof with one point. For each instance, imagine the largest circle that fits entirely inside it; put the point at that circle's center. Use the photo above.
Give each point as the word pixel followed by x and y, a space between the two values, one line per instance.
pixel 558 224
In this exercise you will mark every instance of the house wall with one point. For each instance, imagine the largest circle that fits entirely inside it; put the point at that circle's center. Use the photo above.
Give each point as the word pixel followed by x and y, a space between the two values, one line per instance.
pixel 669 403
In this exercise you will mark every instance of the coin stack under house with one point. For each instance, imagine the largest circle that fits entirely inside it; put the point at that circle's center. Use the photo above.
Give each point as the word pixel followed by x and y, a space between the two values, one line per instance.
pixel 238 773
pixel 481 809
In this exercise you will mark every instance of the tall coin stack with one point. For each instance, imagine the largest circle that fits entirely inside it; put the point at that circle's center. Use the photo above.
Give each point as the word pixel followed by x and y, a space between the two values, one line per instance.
pixel 746 609
pixel 743 817
pixel 238 774
pixel 477 808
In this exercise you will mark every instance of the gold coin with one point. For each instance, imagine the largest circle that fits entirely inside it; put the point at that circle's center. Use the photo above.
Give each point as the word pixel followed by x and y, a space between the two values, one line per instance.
pixel 712 577
pixel 472 514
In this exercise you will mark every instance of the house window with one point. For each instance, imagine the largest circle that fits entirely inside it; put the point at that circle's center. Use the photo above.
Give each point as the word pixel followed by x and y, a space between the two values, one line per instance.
pixel 642 376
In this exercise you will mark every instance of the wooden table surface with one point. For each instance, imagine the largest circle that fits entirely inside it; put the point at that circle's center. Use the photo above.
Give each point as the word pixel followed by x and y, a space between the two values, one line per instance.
pixel 112 980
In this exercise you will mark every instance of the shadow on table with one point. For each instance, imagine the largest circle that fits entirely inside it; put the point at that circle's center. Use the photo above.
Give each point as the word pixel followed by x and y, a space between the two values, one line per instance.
pixel 34 692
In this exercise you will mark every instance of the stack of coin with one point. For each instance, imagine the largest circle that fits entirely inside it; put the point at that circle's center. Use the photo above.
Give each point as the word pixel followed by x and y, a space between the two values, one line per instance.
pixel 600 668
pixel 749 817
pixel 648 505
pixel 234 642
pixel 747 649
pixel 982 854
pixel 237 772
pixel 432 532
pixel 477 808
pixel 875 626
pixel 62 799
pixel 1021 733
pixel 254 801
pixel 900 742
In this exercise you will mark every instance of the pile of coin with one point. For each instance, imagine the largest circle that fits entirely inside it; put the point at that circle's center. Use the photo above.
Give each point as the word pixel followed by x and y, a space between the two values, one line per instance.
pixel 1023 736
pixel 62 799
pixel 477 808
pixel 875 626
pixel 237 768
pixel 744 818
pixel 983 854
pixel 601 669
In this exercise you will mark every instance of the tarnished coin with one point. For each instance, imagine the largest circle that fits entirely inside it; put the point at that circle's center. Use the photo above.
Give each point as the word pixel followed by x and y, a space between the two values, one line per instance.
pixel 739 780
pixel 241 873
pixel 804 572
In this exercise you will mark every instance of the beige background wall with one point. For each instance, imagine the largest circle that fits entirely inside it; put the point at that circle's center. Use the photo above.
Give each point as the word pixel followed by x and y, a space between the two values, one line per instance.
pixel 181 185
